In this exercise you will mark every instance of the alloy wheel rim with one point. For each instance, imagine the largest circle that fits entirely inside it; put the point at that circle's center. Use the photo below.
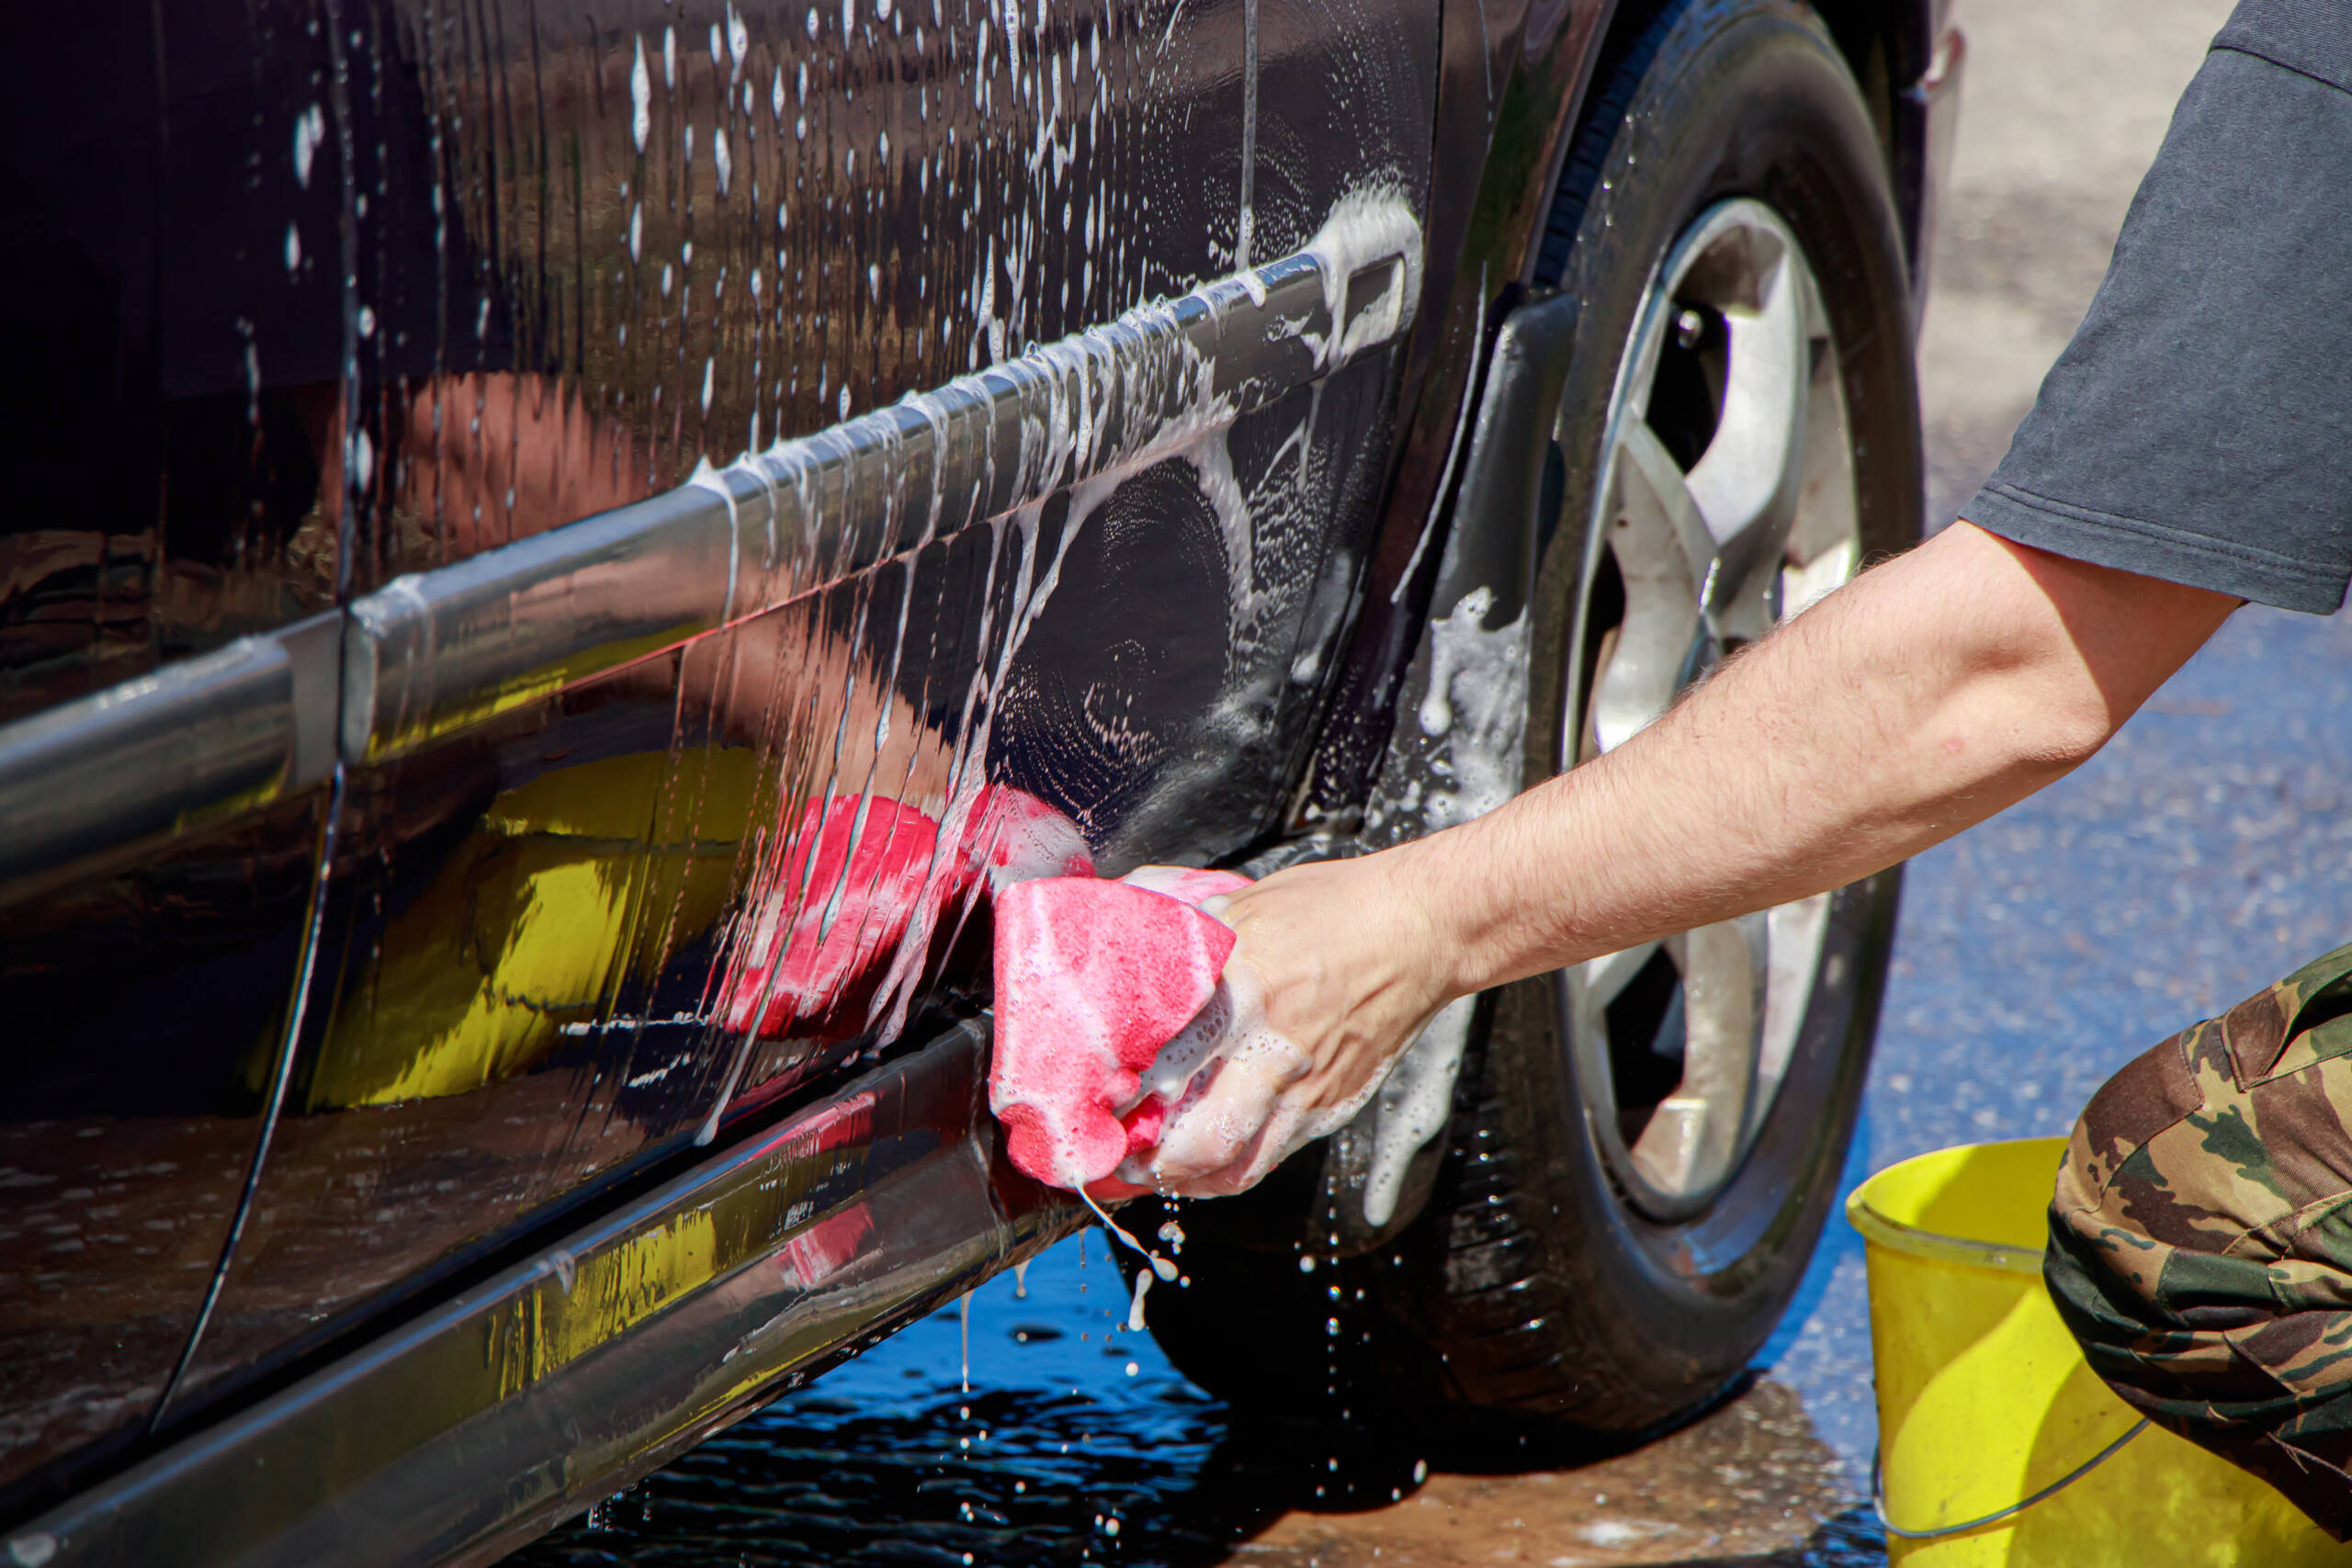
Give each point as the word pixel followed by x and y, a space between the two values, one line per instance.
pixel 1725 504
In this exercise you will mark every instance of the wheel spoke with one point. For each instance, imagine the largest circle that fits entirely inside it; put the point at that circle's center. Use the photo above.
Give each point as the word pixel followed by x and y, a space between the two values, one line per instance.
pixel 1604 978
pixel 1795 937
pixel 1824 545
pixel 1664 556
pixel 1747 484
pixel 1696 1133
pixel 1656 504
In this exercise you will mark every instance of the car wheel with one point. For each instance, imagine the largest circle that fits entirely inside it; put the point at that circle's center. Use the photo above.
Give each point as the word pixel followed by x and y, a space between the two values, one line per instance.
pixel 1644 1148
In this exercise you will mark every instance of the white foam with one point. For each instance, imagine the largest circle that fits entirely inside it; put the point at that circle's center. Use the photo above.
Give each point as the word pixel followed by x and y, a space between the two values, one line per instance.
pixel 1476 707
pixel 1229 1079
pixel 1459 755
pixel 1414 1100
pixel 1365 227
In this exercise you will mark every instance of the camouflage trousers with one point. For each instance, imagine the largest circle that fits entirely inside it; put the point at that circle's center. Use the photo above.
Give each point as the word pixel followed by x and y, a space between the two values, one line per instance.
pixel 2201 1236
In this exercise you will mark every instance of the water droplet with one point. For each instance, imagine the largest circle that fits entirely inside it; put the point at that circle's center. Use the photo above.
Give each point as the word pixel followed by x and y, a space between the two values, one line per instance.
pixel 640 92
pixel 293 249
pixel 309 130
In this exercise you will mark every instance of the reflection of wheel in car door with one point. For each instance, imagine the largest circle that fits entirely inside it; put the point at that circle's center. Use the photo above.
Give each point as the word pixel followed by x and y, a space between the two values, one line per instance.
pixel 1644 1147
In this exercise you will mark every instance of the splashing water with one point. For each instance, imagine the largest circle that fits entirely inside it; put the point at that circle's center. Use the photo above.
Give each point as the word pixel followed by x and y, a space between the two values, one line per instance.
pixel 1160 1266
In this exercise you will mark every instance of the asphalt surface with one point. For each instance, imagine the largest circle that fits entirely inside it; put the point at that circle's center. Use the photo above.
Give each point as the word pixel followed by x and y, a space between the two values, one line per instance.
pixel 2201 855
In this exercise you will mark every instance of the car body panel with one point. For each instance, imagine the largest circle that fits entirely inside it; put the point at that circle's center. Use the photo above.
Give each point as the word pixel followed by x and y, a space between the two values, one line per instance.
pixel 540 1387
pixel 147 1004
pixel 507 321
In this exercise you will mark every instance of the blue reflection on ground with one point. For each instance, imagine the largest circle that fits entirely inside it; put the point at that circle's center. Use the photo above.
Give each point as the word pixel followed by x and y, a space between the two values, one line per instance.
pixel 1074 1441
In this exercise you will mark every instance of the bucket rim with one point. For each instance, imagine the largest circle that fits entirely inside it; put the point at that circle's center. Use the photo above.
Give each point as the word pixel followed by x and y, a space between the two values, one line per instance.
pixel 2003 1258
pixel 1910 1239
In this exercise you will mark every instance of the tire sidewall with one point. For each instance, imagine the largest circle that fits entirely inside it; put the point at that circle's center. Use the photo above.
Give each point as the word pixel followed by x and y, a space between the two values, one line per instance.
pixel 1740 100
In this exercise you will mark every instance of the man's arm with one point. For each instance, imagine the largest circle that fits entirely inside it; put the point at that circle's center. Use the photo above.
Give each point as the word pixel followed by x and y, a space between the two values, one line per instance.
pixel 1918 700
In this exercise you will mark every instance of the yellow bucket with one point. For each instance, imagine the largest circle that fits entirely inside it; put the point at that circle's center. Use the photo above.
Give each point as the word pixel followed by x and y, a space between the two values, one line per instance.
pixel 1985 1403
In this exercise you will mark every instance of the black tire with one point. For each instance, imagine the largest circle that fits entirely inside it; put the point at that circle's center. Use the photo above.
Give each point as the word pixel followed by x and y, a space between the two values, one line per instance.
pixel 1532 1286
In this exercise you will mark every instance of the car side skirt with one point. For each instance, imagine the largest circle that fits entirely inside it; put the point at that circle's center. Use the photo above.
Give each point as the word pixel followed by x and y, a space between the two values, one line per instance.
pixel 490 1419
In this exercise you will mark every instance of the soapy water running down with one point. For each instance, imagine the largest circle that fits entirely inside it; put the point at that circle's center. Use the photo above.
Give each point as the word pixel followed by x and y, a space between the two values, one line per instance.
pixel 1031 1424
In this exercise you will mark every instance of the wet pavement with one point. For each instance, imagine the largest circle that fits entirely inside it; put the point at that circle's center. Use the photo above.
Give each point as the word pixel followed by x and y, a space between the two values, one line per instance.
pixel 1075 1442
pixel 2202 855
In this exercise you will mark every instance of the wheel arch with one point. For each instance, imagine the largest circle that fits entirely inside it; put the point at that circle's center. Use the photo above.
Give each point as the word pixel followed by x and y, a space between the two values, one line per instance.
pixel 1891 49
pixel 1529 81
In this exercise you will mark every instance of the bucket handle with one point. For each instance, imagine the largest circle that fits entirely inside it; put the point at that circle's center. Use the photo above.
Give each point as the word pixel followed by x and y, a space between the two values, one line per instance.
pixel 1878 1494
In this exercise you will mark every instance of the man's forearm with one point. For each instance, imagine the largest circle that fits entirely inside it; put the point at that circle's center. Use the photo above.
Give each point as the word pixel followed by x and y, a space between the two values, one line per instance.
pixel 1916 702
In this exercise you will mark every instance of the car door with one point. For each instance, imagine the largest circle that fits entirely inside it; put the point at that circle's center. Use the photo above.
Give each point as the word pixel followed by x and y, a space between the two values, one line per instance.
pixel 167 702
pixel 805 463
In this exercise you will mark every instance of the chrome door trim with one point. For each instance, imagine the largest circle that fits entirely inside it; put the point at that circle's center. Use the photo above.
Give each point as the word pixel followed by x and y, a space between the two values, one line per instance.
pixel 490 1418
pixel 438 651
pixel 192 742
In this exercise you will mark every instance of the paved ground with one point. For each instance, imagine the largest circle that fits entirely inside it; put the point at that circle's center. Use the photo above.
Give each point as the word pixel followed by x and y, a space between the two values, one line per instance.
pixel 2203 853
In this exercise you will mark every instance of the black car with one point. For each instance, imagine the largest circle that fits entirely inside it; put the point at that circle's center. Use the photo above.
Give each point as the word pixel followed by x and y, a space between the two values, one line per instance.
pixel 556 553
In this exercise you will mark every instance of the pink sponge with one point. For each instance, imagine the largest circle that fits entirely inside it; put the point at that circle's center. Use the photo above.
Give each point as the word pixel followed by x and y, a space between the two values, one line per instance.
pixel 853 892
pixel 841 906
pixel 1092 979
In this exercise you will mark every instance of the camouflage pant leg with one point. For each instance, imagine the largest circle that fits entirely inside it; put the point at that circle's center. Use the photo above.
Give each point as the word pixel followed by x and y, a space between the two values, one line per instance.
pixel 2201 1236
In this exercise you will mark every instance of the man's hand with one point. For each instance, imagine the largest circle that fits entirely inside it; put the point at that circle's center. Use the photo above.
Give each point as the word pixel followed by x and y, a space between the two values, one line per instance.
pixel 1916 701
pixel 1339 962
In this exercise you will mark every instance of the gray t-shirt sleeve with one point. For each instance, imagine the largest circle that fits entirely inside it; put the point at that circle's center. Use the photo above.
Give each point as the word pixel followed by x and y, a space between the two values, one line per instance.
pixel 2198 427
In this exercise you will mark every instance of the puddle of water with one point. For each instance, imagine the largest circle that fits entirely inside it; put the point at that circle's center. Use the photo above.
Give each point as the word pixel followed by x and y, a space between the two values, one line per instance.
pixel 1079 1443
